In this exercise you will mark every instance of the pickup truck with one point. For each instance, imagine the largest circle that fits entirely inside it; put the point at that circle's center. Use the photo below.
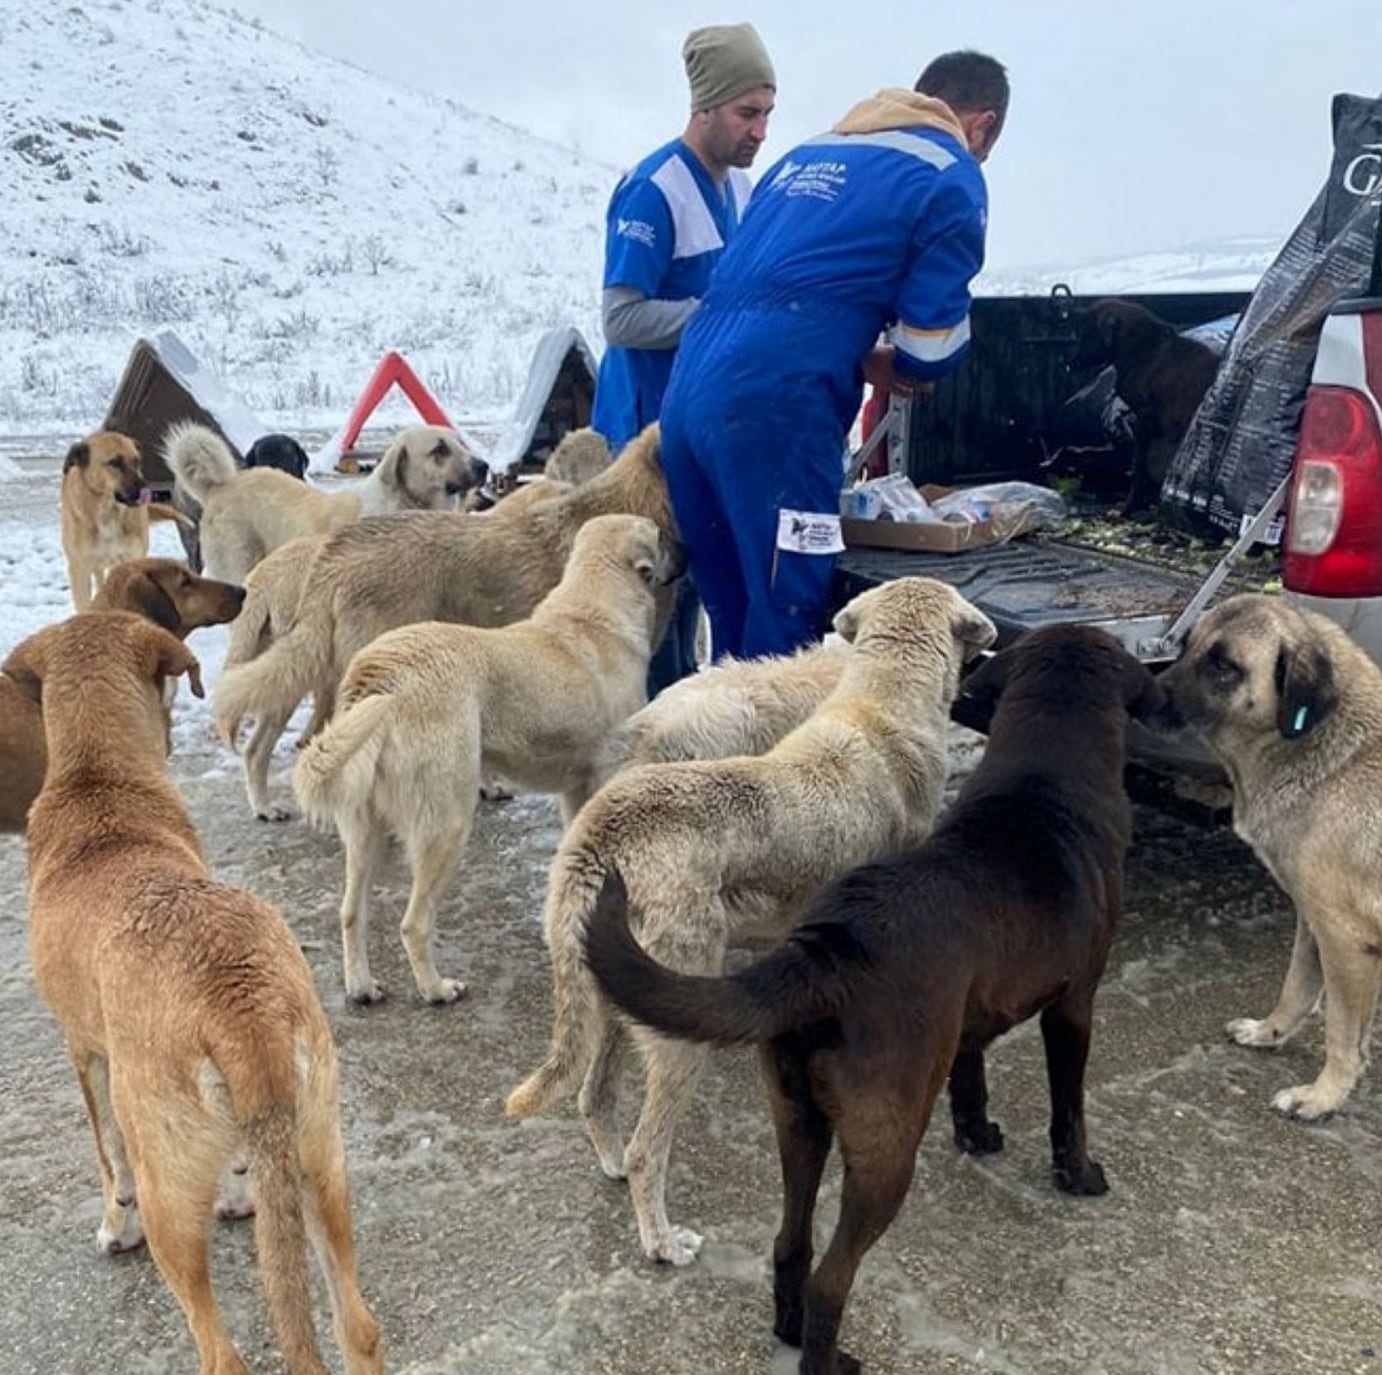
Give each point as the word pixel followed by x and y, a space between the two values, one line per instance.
pixel 995 418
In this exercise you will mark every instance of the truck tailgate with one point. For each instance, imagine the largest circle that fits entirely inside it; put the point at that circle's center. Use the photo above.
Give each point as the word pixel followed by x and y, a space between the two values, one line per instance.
pixel 1028 584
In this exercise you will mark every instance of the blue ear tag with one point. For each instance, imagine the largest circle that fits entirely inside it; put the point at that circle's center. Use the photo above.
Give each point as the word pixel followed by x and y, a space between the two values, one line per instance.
pixel 1298 725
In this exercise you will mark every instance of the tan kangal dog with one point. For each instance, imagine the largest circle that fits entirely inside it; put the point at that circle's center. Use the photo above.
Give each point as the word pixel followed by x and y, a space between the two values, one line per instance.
pixel 188 1009
pixel 713 852
pixel 106 510
pixel 249 512
pixel 163 591
pixel 1292 707
pixel 426 711
pixel 737 706
pixel 483 569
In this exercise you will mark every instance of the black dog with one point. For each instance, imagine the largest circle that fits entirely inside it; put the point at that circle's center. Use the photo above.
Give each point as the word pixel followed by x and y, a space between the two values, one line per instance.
pixel 903 971
pixel 1161 375
pixel 279 451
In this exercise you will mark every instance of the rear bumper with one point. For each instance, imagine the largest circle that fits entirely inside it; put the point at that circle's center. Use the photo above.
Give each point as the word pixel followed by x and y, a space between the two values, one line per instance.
pixel 1360 616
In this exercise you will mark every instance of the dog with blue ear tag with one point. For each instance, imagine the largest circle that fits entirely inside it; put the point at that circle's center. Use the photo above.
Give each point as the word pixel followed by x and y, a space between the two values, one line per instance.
pixel 1292 708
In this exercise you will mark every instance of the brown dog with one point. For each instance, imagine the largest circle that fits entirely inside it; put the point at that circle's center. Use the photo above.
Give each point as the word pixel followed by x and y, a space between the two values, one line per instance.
pixel 188 1009
pixel 1161 375
pixel 163 591
pixel 106 510
pixel 905 968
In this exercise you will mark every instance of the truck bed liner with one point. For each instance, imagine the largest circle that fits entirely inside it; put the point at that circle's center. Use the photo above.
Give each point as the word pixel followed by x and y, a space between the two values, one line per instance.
pixel 1029 584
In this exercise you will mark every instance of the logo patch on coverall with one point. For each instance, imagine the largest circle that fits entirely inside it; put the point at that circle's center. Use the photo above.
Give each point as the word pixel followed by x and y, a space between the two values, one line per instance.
pixel 809 532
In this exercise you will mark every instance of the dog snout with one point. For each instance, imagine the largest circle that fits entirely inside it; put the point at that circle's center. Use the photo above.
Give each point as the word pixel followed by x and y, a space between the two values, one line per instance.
pixel 674 561
pixel 479 470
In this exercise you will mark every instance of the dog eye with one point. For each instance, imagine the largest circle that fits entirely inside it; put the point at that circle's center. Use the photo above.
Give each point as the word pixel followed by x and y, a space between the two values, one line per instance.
pixel 1221 666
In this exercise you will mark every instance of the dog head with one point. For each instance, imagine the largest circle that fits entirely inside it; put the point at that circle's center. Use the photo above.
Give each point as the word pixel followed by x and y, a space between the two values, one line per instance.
pixel 431 465
pixel 634 482
pixel 1065 667
pixel 112 668
pixel 1252 666
pixel 108 463
pixel 916 620
pixel 1116 332
pixel 629 542
pixel 279 451
pixel 169 594
pixel 581 455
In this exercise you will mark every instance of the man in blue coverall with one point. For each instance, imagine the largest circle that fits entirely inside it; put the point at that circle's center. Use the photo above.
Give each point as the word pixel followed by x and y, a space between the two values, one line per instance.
pixel 878 223
pixel 667 225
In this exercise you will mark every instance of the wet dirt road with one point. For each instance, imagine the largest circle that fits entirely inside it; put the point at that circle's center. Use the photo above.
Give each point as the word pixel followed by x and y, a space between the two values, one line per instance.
pixel 1233 1242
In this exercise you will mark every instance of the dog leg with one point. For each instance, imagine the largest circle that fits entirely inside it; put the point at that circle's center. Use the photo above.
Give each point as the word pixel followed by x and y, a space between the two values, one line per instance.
pixel 673 1068
pixel 599 1099
pixel 332 1235
pixel 323 706
pixel 969 1099
pixel 573 799
pixel 1300 995
pixel 804 1135
pixel 433 860
pixel 879 1135
pixel 364 841
pixel 1350 995
pixel 1065 1028
pixel 268 730
pixel 235 1198
pixel 177 1166
pixel 120 1228
pixel 79 579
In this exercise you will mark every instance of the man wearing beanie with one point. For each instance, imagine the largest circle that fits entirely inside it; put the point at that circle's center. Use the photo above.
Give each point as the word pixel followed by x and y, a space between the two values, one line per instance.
pixel 877 224
pixel 668 222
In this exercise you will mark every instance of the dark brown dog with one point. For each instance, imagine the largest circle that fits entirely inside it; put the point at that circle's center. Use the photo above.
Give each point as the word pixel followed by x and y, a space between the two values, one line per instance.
pixel 163 591
pixel 903 971
pixel 1161 375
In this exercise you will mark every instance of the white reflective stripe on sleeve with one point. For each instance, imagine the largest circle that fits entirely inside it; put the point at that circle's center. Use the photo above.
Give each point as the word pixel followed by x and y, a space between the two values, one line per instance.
pixel 809 532
pixel 693 226
pixel 931 345
pixel 914 145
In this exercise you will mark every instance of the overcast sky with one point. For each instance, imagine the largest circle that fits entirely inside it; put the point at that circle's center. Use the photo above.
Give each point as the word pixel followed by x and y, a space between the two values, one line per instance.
pixel 1135 124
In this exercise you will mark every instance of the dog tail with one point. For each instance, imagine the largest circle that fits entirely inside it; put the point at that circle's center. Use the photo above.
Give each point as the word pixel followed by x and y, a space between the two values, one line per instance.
pixel 279 678
pixel 280 1230
pixel 200 459
pixel 336 769
pixel 577 882
pixel 251 632
pixel 806 979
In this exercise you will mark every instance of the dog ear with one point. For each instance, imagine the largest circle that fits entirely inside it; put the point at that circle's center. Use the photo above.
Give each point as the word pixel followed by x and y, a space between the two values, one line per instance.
pixel 27 663
pixel 846 621
pixel 301 462
pixel 985 684
pixel 172 659
pixel 972 628
pixel 78 456
pixel 1142 694
pixel 145 595
pixel 1305 689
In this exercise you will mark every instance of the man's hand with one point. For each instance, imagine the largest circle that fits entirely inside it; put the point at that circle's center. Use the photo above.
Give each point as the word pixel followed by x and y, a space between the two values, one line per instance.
pixel 880 372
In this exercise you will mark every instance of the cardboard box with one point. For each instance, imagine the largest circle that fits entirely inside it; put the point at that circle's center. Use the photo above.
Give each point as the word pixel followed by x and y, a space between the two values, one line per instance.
pixel 948 537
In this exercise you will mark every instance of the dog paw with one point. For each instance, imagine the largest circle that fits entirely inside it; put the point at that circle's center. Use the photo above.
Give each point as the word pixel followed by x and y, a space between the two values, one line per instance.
pixel 446 991
pixel 273 814
pixel 679 1247
pixel 370 991
pixel 235 1201
pixel 979 1138
pixel 114 1239
pixel 1306 1103
pixel 1248 1031
pixel 1082 1178
pixel 496 790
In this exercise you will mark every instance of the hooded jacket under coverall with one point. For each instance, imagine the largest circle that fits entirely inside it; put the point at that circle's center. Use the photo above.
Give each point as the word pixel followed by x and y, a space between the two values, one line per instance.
pixel 878 223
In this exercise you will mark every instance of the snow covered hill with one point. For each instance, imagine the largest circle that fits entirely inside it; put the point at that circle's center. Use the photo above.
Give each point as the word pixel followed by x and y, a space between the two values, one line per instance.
pixel 170 164
pixel 167 163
